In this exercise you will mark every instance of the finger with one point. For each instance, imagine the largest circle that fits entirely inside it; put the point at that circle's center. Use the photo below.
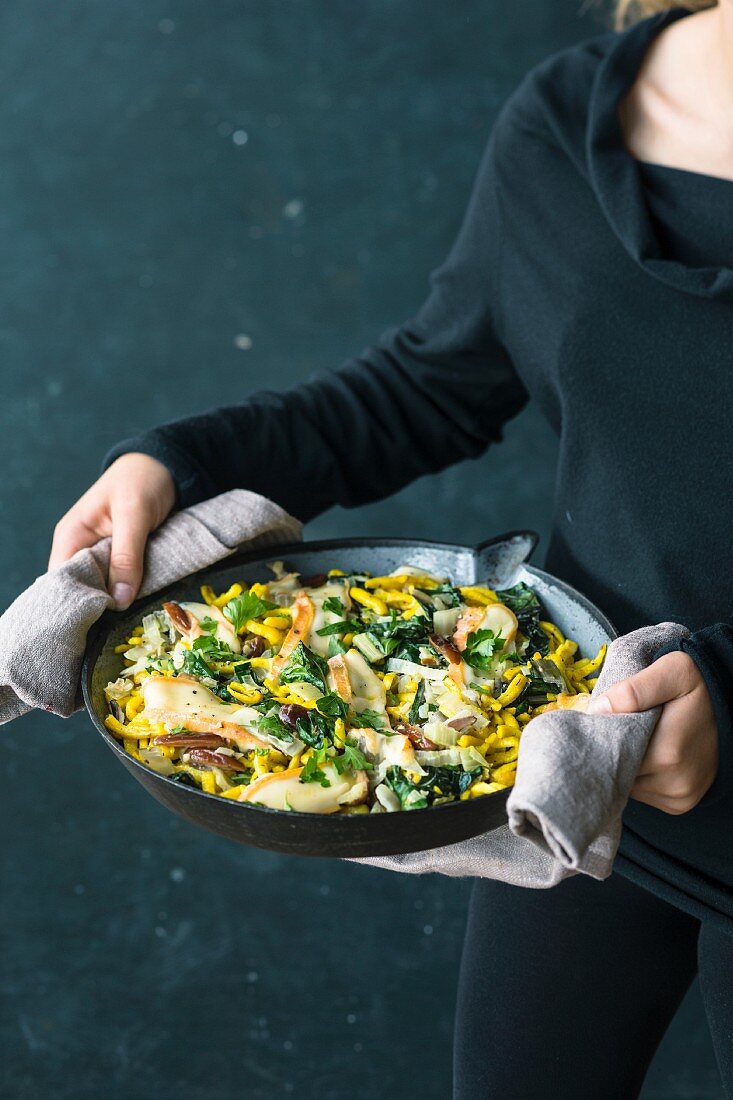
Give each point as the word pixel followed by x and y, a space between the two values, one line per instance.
pixel 665 803
pixel 663 785
pixel 666 747
pixel 673 794
pixel 69 536
pixel 130 528
pixel 667 789
pixel 682 759
pixel 672 676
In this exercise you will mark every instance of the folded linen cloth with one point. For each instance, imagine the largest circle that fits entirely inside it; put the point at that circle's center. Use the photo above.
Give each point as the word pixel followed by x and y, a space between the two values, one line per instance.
pixel 574 775
pixel 43 633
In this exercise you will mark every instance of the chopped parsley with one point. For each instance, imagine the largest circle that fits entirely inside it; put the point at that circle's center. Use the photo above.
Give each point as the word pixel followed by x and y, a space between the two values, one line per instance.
pixel 245 607
pixel 195 665
pixel 352 759
pixel 312 771
pixel 214 650
pixel 371 719
pixel 481 648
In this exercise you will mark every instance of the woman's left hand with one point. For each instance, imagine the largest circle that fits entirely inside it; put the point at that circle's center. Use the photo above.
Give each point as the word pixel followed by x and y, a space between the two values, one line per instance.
pixel 681 760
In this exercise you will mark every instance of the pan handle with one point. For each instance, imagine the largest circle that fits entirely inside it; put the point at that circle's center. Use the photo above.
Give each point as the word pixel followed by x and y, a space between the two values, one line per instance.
pixel 499 558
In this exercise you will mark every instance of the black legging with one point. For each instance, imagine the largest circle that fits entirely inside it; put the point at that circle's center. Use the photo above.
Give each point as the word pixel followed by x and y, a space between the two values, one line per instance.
pixel 566 993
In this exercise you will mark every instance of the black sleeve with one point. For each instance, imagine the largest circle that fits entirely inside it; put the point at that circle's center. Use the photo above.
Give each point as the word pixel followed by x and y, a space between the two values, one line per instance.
pixel 712 651
pixel 432 392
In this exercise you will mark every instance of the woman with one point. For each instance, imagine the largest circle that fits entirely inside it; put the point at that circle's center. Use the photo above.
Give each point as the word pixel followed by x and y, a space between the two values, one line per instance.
pixel 594 274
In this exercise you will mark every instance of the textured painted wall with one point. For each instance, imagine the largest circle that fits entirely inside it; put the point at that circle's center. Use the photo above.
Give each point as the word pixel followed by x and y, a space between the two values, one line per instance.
pixel 197 200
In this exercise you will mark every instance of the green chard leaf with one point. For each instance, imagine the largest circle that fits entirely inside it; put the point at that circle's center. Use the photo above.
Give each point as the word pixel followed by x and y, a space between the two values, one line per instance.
pixel 448 594
pixel 370 719
pixel 315 730
pixel 397 637
pixel 543 678
pixel 344 626
pixel 269 721
pixel 411 798
pixel 243 778
pixel 334 606
pixel 436 783
pixel 335 646
pixel 413 716
pixel 451 781
pixel 332 705
pixel 524 603
pixel 305 667
pixel 184 779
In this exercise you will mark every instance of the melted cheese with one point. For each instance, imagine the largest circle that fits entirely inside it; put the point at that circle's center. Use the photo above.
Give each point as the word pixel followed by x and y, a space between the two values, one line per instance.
pixel 182 696
pixel 319 644
pixel 393 748
pixel 500 620
pixel 183 700
pixel 284 791
pixel 225 632
pixel 367 690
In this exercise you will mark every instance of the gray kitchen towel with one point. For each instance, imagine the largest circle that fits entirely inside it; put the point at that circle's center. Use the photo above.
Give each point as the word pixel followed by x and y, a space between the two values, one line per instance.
pixel 574 775
pixel 43 633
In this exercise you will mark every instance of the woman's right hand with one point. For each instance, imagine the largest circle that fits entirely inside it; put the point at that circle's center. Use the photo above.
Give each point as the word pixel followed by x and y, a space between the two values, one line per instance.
pixel 131 498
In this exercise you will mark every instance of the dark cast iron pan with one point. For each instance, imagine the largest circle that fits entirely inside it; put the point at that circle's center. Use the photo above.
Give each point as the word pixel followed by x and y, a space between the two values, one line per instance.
pixel 499 562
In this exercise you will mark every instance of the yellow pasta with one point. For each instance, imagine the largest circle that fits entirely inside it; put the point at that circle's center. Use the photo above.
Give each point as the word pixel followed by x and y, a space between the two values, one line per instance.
pixel 350 694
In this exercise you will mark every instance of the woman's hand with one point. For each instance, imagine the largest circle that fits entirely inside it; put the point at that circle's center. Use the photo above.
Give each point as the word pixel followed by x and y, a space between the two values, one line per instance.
pixel 131 498
pixel 681 760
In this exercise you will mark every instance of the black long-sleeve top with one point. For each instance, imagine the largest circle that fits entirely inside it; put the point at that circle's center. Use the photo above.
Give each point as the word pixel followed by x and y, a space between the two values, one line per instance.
pixel 602 289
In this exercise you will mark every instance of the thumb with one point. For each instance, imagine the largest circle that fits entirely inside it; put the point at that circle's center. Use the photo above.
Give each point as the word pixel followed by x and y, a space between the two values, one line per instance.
pixel 663 680
pixel 130 530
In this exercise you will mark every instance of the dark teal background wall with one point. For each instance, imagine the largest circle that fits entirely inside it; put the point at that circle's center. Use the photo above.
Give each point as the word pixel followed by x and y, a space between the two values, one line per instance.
pixel 196 200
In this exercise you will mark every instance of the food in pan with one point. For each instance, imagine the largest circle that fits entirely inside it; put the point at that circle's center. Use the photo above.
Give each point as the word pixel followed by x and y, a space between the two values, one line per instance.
pixel 343 693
